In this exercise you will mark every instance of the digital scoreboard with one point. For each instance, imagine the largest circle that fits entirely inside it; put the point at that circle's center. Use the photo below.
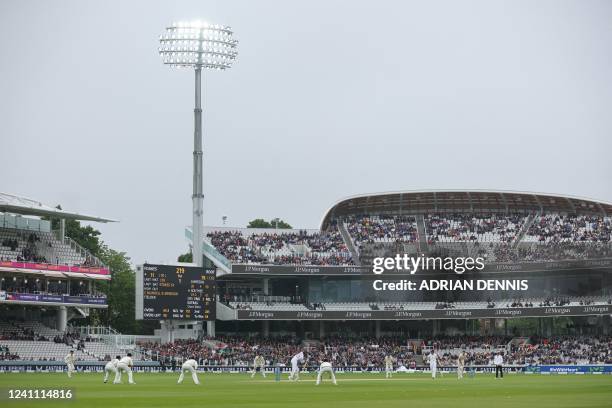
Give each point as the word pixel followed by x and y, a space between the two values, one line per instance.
pixel 178 292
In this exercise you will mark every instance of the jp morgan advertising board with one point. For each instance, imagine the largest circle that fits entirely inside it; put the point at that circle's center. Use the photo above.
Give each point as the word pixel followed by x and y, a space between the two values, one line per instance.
pixel 245 269
pixel 424 314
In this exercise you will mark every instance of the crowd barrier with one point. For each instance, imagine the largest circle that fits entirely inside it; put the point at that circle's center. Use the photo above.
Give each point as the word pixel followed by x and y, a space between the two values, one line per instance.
pixel 570 369
pixel 155 366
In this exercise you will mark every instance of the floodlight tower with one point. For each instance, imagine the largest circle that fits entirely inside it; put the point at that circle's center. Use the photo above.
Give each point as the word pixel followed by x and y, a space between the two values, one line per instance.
pixel 198 45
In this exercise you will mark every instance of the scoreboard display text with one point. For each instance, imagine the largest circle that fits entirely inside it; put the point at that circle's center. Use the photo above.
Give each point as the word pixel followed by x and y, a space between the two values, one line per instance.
pixel 178 292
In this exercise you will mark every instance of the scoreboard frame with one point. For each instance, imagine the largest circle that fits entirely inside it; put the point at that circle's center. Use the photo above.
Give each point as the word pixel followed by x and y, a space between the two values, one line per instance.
pixel 163 292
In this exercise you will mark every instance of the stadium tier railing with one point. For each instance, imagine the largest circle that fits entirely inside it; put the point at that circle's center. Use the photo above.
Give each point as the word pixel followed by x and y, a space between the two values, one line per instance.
pixel 46 298
pixel 108 336
pixel 23 223
pixel 225 312
pixel 80 250
pixel 212 253
pixel 265 303
pixel 93 331
pixel 215 255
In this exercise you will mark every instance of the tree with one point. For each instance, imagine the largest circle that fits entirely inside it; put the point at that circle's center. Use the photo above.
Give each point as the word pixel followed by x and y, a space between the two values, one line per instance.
pixel 274 223
pixel 121 290
pixel 259 223
pixel 186 257
pixel 87 237
pixel 278 223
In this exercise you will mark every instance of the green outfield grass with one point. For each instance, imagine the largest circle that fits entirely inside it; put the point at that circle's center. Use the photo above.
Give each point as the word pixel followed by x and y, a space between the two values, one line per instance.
pixel 352 391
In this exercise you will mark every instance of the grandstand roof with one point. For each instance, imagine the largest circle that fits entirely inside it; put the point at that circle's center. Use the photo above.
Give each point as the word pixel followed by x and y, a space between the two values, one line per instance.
pixel 414 202
pixel 20 205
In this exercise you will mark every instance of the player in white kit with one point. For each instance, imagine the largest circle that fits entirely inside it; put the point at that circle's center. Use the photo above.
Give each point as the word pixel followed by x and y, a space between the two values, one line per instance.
pixel 125 365
pixel 295 368
pixel 69 360
pixel 326 367
pixel 433 363
pixel 191 366
pixel 460 365
pixel 111 367
pixel 258 364
pixel 389 366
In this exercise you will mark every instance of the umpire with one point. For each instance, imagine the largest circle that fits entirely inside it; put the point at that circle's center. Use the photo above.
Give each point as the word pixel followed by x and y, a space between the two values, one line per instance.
pixel 498 360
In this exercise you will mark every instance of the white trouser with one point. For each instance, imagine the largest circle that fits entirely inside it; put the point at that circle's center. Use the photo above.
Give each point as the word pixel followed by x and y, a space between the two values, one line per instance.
pixel 70 369
pixel 194 374
pixel 326 370
pixel 434 369
pixel 261 370
pixel 108 370
pixel 295 372
pixel 121 367
pixel 389 371
pixel 459 371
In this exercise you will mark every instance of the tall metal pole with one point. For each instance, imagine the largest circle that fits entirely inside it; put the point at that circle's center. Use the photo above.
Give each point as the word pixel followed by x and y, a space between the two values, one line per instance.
pixel 199 45
pixel 198 184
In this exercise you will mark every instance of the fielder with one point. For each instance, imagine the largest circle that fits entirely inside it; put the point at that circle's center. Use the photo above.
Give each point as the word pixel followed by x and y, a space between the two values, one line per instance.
pixel 388 366
pixel 433 363
pixel 326 367
pixel 69 360
pixel 295 368
pixel 460 365
pixel 111 367
pixel 190 365
pixel 258 364
pixel 125 365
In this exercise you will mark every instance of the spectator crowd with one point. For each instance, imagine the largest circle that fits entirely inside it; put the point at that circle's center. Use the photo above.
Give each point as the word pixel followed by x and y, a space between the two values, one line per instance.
pixel 370 352
pixel 570 228
pixel 382 228
pixel 499 237
pixel 473 227
pixel 282 247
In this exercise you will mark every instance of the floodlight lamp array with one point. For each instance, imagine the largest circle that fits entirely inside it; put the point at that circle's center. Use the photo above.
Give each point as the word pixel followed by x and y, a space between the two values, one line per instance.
pixel 198 44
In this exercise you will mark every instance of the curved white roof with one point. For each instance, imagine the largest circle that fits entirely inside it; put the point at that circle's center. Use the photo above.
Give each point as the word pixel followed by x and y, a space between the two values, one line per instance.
pixel 20 205
pixel 469 198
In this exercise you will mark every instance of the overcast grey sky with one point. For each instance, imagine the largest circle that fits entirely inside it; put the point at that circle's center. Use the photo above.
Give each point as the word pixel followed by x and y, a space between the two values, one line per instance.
pixel 327 99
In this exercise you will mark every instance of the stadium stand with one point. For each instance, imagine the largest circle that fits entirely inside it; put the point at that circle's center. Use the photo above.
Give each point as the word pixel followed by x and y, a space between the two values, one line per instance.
pixel 370 352
pixel 238 351
pixel 32 340
pixel 502 227
pixel 46 279
pixel 499 237
pixel 473 227
pixel 377 228
pixel 40 246
pixel 282 246
pixel 569 228
pixel 43 351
